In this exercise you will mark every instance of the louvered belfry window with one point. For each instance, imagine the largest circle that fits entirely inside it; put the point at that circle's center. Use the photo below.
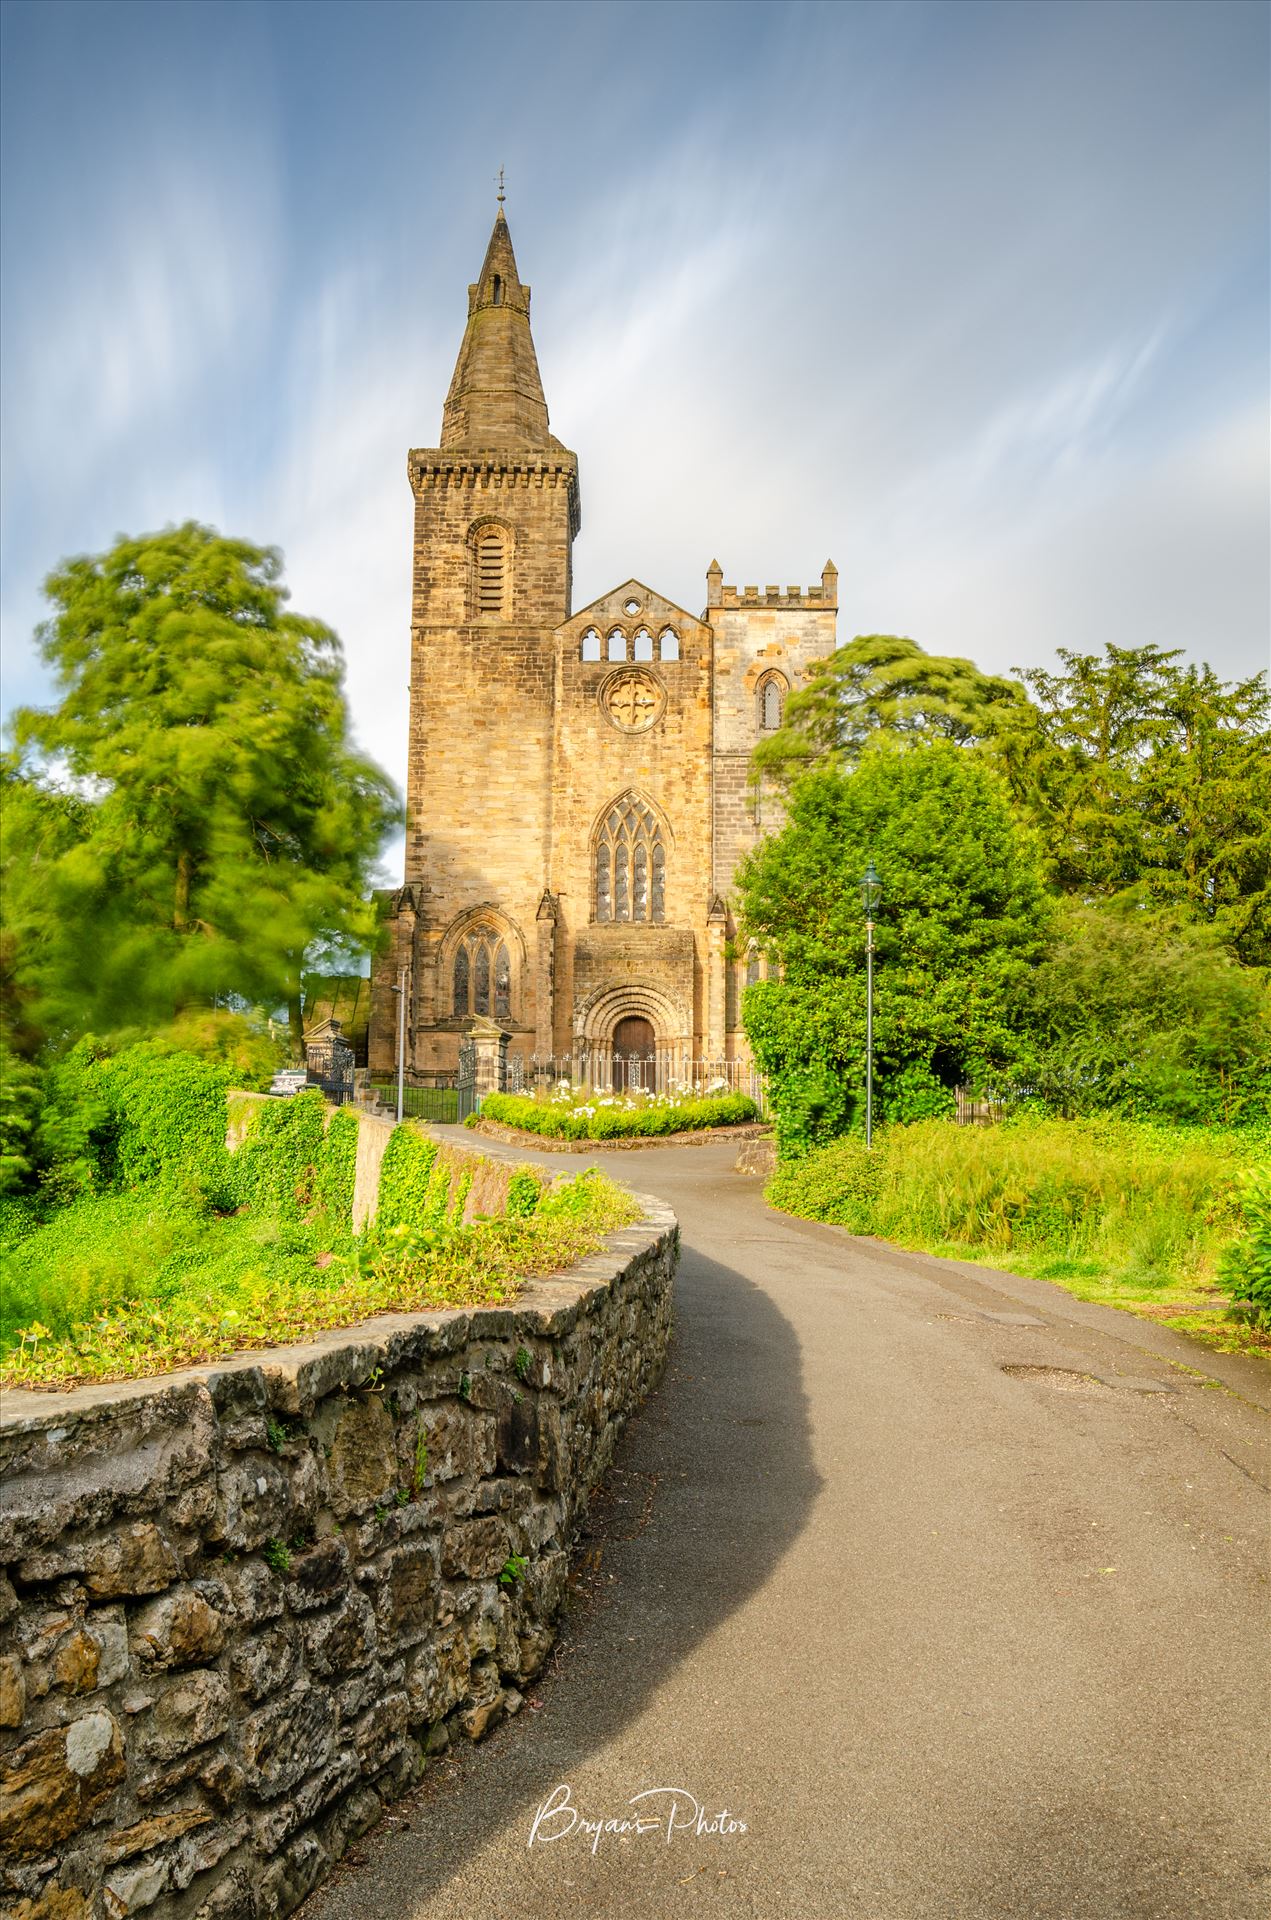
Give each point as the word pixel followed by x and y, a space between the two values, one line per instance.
pixel 492 572
pixel 630 865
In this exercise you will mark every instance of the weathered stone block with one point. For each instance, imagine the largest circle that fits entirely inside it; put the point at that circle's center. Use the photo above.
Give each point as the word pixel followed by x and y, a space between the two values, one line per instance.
pixel 253 1501
pixel 54 1784
pixel 379 1732
pixel 12 1691
pixel 53 1903
pixel 187 1713
pixel 255 1592
pixel 135 1560
pixel 316 1577
pixel 132 1889
pixel 474 1549
pixel 336 1642
pixel 460 1441
pixel 362 1468
pixel 292 1877
pixel 287 1739
pixel 405 1584
pixel 179 1630
pixel 263 1663
pixel 157 1831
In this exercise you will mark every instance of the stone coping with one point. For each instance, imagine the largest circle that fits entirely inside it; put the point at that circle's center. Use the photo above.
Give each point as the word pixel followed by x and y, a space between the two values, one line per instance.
pixel 292 1379
pixel 692 1137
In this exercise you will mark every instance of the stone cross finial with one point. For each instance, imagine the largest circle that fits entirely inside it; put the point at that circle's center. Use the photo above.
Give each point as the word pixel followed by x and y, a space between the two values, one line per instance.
pixel 500 196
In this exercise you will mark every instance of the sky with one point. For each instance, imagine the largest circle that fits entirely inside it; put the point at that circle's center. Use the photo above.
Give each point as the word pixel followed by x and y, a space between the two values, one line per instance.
pixel 970 298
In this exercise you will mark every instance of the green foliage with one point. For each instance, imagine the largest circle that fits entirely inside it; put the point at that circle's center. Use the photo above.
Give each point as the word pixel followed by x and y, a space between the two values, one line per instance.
pixel 276 1170
pixel 838 1183
pixel 963 923
pixel 1143 1011
pixel 1150 1205
pixel 525 1190
pixel 513 1569
pixel 229 824
pixel 1150 778
pixel 523 1361
pixel 419 1471
pixel 1244 1270
pixel 881 684
pixel 617 1116
pixel 277 1554
pixel 407 1189
pixel 337 1167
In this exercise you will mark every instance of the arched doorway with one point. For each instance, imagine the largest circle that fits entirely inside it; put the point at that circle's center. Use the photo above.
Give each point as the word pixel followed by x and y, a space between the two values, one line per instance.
pixel 633 1053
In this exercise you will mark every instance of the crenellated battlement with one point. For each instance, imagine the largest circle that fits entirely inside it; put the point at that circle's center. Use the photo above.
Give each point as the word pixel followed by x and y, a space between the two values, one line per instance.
pixel 824 597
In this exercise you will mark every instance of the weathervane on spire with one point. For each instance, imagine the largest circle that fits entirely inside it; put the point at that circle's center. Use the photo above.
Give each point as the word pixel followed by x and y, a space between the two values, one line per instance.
pixel 500 195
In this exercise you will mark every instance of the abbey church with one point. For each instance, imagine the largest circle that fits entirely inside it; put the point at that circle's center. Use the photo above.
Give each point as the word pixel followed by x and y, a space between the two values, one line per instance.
pixel 577 792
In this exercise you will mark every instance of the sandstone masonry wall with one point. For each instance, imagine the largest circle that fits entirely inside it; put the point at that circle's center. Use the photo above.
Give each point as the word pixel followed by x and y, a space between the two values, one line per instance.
pixel 240 1604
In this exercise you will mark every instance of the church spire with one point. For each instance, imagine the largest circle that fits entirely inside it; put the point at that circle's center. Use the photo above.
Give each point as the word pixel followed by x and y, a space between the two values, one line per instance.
pixel 496 396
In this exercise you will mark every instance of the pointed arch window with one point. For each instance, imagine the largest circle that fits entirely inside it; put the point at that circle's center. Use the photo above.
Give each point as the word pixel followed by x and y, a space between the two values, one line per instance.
pixel 642 645
pixel 498 291
pixel 630 865
pixel 590 649
pixel 772 701
pixel 481 976
pixel 669 644
pixel 492 573
pixel 617 644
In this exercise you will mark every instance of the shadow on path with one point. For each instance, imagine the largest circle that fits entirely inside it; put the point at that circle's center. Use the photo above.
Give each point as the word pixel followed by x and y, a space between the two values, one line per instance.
pixel 711 1484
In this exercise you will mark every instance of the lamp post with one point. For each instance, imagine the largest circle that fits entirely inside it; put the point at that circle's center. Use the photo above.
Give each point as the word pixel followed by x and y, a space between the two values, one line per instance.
pixel 400 991
pixel 871 893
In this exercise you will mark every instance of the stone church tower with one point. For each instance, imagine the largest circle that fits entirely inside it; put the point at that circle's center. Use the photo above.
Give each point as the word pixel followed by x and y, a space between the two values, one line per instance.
pixel 577 796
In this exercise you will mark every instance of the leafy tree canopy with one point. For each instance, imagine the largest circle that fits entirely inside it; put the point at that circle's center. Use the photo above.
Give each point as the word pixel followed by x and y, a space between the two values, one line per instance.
pixel 881 683
pixel 1153 779
pixel 192 816
pixel 964 919
pixel 1142 1011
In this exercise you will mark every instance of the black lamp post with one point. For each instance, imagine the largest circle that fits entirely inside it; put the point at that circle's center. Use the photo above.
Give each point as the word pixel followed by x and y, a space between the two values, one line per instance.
pixel 871 893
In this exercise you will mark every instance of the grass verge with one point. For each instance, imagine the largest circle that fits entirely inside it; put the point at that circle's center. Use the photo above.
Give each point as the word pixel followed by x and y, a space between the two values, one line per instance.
pixel 1123 1213
pixel 140 1282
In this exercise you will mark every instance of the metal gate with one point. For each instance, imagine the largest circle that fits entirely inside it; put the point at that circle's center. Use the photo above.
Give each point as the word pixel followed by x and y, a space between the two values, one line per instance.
pixel 329 1065
pixel 466 1084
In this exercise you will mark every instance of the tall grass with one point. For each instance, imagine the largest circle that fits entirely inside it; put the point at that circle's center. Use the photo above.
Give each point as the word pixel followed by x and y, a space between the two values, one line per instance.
pixel 1148 1206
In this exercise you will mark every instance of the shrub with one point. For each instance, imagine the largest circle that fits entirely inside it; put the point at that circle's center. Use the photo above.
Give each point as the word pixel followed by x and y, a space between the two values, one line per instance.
pixel 839 1183
pixel 1244 1270
pixel 1149 1202
pixel 617 1116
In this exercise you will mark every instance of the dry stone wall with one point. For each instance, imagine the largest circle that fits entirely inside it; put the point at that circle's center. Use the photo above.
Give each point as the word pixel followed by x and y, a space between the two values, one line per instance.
pixel 240 1605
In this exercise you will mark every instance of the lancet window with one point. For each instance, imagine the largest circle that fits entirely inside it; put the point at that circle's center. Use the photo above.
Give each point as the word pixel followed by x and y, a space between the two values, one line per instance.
pixel 481 977
pixel 591 645
pixel 630 865
pixel 669 644
pixel 772 699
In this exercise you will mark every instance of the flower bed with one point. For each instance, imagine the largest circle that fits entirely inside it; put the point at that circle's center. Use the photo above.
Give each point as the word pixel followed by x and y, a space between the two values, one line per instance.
pixel 572 1115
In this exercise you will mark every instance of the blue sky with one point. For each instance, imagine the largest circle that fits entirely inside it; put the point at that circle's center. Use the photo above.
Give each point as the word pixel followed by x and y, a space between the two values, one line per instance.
pixel 972 298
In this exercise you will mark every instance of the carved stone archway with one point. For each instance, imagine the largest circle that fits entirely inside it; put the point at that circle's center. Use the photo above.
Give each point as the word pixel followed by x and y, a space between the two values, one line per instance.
pixel 597 1018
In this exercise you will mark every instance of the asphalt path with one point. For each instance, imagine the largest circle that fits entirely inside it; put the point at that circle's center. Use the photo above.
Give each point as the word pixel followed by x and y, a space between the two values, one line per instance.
pixel 947 1590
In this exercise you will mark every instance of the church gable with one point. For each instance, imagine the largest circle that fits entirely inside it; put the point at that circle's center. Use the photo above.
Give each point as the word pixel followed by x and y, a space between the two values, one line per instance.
pixel 632 622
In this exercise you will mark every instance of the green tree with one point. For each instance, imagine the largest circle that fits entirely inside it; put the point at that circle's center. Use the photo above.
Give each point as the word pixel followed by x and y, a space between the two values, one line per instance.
pixel 1142 1010
pixel 222 822
pixel 1149 779
pixel 881 683
pixel 964 921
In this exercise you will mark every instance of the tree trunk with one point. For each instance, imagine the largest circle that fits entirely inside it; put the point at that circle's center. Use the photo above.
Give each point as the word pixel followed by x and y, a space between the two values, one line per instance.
pixel 295 1021
pixel 181 898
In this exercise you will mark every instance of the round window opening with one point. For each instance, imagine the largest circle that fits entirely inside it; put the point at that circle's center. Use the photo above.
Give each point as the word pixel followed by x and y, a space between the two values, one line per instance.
pixel 631 606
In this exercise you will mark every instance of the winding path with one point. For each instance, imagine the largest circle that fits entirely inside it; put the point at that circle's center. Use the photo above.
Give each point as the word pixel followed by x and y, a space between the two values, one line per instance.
pixel 952 1588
